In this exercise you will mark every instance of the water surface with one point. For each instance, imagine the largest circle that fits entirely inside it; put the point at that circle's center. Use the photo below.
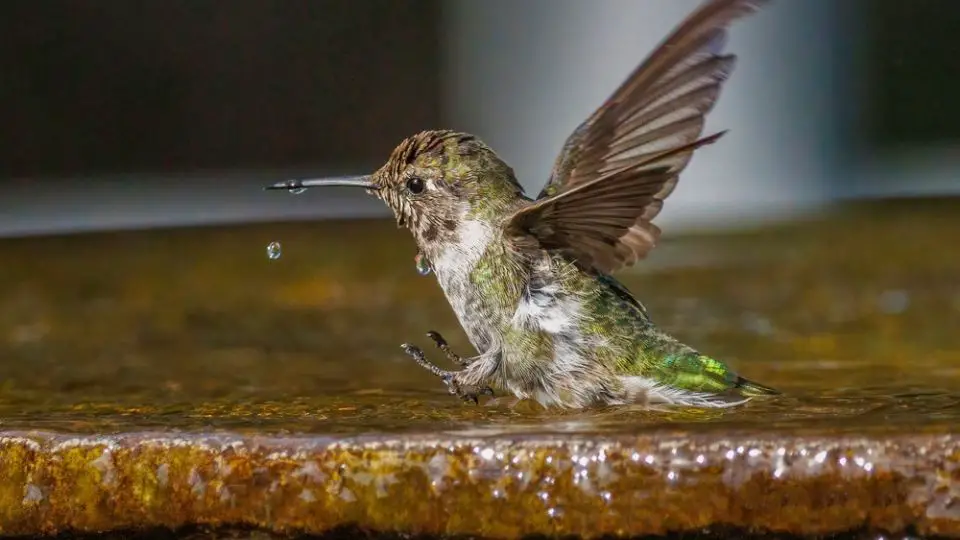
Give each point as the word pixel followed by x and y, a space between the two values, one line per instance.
pixel 854 315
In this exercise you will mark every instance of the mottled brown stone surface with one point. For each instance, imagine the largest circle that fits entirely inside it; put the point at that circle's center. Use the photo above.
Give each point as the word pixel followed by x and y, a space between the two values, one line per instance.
pixel 179 379
pixel 493 488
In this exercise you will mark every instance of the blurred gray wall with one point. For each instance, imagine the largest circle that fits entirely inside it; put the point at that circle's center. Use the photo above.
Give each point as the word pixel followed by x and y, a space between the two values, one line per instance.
pixel 904 116
pixel 167 86
pixel 525 74
pixel 138 113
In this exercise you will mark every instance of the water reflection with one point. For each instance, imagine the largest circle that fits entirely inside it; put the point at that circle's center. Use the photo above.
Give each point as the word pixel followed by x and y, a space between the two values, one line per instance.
pixel 853 317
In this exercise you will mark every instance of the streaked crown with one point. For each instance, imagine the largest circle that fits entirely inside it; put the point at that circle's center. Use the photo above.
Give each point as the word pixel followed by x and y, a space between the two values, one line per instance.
pixel 436 179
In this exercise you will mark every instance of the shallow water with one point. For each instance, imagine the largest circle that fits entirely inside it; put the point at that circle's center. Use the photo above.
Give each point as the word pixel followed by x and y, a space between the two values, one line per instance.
pixel 855 316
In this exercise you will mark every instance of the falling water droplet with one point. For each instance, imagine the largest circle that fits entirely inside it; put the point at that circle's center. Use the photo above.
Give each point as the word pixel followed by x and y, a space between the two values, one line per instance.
pixel 274 250
pixel 294 187
pixel 423 265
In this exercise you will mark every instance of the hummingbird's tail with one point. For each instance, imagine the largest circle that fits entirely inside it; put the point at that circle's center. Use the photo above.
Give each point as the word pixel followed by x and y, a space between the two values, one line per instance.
pixel 750 388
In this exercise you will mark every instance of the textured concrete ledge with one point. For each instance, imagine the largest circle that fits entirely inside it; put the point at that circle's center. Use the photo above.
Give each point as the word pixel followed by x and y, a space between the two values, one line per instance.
pixel 493 488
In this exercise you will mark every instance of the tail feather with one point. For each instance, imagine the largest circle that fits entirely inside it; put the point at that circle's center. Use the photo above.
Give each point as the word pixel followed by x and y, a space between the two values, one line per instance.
pixel 750 388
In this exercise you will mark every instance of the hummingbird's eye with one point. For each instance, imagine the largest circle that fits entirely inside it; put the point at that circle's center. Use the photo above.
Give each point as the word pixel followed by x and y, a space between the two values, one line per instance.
pixel 415 185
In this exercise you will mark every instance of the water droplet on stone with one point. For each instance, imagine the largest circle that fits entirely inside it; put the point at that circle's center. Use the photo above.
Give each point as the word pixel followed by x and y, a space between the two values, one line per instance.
pixel 423 265
pixel 757 324
pixel 893 301
pixel 274 250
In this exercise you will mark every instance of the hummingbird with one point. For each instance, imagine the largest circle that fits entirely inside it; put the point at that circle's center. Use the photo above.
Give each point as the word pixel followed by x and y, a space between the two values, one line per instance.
pixel 531 279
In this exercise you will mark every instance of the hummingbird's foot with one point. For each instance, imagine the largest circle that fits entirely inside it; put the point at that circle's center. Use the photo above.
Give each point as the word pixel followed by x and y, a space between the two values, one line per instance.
pixel 442 345
pixel 421 359
pixel 468 393
pixel 465 392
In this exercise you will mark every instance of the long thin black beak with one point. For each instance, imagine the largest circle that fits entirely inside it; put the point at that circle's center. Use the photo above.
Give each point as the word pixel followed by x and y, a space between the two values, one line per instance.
pixel 300 185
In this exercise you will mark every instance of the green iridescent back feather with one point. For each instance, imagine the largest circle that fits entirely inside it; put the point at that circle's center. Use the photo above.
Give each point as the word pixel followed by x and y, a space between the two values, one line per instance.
pixel 639 348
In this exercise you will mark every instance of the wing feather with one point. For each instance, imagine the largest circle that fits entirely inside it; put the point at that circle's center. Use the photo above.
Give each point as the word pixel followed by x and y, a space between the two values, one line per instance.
pixel 643 137
pixel 602 224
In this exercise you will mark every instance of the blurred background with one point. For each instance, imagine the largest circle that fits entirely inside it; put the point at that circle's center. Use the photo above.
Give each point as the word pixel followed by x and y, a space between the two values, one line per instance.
pixel 168 116
pixel 121 114
pixel 156 123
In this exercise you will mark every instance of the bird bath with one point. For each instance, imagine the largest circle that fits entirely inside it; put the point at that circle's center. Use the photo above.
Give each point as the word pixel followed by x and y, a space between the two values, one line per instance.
pixel 180 379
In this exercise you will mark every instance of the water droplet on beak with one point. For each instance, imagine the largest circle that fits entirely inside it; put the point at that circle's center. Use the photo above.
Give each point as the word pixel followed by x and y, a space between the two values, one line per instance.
pixel 295 188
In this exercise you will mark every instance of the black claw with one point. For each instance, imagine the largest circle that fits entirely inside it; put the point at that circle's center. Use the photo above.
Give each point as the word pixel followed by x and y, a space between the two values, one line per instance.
pixel 474 396
pixel 437 338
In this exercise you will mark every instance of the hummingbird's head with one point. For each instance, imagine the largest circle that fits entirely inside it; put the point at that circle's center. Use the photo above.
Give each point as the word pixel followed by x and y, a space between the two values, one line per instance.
pixel 434 181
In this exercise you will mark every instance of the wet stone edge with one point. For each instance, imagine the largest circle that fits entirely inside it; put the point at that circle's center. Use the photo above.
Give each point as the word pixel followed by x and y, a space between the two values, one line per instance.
pixel 353 533
pixel 490 487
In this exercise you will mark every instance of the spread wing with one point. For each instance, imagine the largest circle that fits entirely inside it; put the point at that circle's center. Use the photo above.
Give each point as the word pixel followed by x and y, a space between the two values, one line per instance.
pixel 638 142
pixel 598 223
